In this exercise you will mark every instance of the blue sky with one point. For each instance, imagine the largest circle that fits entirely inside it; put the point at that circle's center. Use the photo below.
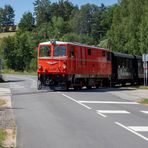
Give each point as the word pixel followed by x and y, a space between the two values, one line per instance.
pixel 21 6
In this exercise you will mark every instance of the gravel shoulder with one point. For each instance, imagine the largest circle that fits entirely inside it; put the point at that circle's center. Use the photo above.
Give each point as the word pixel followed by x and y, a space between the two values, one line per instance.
pixel 7 121
pixel 131 94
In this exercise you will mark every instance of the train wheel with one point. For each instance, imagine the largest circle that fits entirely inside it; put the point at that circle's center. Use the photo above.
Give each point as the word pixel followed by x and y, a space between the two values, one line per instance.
pixel 89 87
pixel 67 86
pixel 39 85
pixel 76 88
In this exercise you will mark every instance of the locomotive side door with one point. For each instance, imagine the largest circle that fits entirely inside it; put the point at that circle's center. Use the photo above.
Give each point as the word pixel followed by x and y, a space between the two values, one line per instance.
pixel 83 55
pixel 72 59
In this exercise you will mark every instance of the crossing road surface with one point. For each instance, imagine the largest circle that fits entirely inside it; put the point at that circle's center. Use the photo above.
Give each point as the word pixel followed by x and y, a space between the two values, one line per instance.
pixel 75 119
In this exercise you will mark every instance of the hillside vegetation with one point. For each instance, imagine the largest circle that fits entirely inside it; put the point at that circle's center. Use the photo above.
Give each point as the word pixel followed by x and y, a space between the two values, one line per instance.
pixel 121 27
pixel 6 34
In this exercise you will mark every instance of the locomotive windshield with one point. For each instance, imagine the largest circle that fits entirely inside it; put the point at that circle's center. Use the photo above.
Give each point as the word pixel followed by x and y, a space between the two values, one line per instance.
pixel 45 51
pixel 59 51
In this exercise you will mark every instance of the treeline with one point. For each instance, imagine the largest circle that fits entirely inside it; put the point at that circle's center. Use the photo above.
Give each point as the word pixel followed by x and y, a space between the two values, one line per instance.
pixel 122 27
pixel 129 31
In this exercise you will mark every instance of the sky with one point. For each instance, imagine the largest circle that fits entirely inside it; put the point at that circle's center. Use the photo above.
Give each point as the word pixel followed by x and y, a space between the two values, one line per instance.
pixel 22 6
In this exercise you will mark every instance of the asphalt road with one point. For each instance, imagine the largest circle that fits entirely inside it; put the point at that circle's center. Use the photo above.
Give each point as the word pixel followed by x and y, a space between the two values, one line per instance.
pixel 75 119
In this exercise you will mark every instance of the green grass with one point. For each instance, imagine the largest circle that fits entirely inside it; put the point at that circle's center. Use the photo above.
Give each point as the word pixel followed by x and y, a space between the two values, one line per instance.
pixel 2 136
pixel 143 101
pixel 6 34
pixel 2 102
pixel 141 87
pixel 9 71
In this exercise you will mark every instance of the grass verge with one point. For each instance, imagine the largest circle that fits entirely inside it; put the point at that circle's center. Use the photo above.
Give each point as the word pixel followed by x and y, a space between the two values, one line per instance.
pixel 2 102
pixel 3 135
pixel 8 138
pixel 9 71
pixel 143 101
pixel 6 34
pixel 141 87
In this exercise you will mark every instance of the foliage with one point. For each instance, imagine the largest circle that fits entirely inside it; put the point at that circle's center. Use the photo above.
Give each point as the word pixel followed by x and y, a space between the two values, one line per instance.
pixel 63 9
pixel 121 27
pixel 2 136
pixel 27 22
pixel 73 37
pixel 129 31
pixel 42 11
pixel 6 18
pixel 143 101
pixel 18 51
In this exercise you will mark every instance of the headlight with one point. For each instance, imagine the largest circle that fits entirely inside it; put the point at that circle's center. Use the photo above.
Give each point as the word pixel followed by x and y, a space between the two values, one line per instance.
pixel 64 66
pixel 39 67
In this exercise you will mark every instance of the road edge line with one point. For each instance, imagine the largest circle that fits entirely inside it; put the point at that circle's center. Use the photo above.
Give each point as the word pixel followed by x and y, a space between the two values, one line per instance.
pixel 76 101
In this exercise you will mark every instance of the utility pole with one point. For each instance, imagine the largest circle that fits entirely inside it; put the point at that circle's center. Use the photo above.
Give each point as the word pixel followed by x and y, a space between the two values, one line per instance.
pixel 0 65
pixel 145 66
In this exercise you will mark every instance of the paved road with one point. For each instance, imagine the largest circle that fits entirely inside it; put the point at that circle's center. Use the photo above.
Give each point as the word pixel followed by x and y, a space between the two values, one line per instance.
pixel 83 119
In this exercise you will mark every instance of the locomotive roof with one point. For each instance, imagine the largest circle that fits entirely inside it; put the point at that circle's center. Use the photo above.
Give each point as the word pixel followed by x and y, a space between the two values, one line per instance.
pixel 72 43
pixel 118 54
pixel 124 55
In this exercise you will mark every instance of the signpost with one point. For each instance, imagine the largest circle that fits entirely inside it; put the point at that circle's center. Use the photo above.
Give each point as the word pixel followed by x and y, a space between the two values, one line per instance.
pixel 145 66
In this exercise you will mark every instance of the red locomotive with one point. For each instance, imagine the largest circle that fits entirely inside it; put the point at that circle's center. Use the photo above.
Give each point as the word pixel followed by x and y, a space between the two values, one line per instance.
pixel 66 64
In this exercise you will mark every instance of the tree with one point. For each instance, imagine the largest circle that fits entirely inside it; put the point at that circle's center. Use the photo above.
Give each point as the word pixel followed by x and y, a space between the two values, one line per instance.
pixel 18 51
pixel 63 9
pixel 92 20
pixel 73 37
pixel 27 22
pixel 124 33
pixel 42 11
pixel 7 17
pixel 143 34
pixel 1 18
pixel 58 26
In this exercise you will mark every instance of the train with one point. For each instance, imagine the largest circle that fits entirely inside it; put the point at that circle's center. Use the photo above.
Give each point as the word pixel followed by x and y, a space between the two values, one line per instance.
pixel 74 65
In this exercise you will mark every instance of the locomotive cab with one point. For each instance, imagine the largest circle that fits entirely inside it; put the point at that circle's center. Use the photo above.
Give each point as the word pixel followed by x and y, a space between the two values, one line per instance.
pixel 52 65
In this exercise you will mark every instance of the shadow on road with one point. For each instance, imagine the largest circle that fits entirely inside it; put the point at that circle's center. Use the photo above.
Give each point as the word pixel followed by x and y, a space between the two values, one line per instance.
pixel 84 90
pixel 11 81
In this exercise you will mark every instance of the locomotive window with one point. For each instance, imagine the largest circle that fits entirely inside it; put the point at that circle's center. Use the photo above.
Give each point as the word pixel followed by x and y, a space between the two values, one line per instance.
pixel 103 53
pixel 45 51
pixel 89 51
pixel 108 56
pixel 59 51
pixel 72 54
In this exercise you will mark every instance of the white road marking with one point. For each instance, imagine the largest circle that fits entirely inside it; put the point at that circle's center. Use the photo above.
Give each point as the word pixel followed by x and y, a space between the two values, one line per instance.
pixel 113 111
pixel 141 136
pixel 108 102
pixel 76 101
pixel 145 112
pixel 101 114
pixel 139 128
